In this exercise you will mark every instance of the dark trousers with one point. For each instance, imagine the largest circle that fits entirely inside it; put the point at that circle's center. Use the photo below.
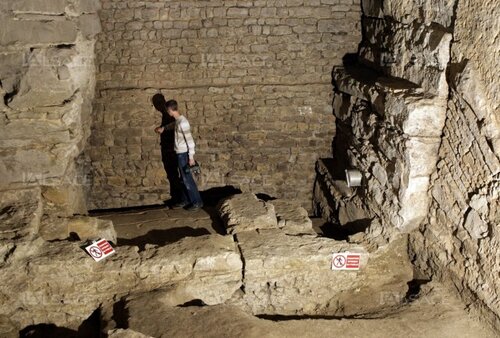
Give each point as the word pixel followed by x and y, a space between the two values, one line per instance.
pixel 169 159
pixel 190 192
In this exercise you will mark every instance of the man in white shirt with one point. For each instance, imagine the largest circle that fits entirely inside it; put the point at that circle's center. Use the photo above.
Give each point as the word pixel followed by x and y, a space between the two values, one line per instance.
pixel 185 149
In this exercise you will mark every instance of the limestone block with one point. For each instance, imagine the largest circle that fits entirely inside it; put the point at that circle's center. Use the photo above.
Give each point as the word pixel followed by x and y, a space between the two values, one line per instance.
pixel 86 228
pixel 53 7
pixel 476 226
pixel 22 133
pixel 20 212
pixel 92 228
pixel 245 212
pixel 47 81
pixel 424 61
pixel 291 275
pixel 35 33
pixel 11 67
pixel 427 11
pixel 415 113
pixel 48 285
pixel 64 200
pixel 77 7
pixel 43 165
pixel 293 219
pixel 89 25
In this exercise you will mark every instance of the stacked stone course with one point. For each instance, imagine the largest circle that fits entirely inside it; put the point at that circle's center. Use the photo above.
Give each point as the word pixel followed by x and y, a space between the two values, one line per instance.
pixel 253 77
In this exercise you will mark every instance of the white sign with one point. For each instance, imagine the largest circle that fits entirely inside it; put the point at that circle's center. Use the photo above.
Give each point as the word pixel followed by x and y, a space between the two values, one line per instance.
pixel 346 261
pixel 100 250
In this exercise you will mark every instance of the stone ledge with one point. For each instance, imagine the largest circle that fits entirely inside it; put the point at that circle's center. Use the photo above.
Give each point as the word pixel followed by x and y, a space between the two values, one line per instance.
pixel 59 283
pixel 400 102
pixel 292 275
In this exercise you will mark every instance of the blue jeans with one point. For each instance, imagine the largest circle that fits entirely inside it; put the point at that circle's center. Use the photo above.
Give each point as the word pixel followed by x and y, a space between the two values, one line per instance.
pixel 190 193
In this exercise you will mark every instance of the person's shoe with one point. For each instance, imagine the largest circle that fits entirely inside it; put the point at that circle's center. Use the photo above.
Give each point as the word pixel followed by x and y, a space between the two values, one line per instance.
pixel 193 207
pixel 179 205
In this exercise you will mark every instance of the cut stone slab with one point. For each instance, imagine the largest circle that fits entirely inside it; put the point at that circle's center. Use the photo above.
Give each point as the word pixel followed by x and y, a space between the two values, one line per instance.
pixel 293 219
pixel 59 283
pixel 87 228
pixel 64 200
pixel 245 212
pixel 20 212
pixel 291 275
pixel 37 32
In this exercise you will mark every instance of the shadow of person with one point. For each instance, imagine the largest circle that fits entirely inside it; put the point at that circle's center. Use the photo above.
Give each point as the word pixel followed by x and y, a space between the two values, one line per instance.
pixel 168 155
pixel 163 237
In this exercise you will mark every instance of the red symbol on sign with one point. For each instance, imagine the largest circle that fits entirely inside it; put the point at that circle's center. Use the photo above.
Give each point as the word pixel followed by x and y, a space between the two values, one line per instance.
pixel 352 262
pixel 104 246
pixel 95 252
pixel 339 261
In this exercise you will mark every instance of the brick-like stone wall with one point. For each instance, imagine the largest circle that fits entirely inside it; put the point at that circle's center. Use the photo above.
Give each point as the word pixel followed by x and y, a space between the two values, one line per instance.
pixel 253 77
pixel 460 240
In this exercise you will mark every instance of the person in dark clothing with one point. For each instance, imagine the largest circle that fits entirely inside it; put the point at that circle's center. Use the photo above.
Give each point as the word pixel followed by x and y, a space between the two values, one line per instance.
pixel 168 155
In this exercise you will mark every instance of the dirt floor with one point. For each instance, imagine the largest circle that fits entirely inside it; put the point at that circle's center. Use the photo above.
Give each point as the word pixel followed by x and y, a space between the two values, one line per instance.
pixel 434 312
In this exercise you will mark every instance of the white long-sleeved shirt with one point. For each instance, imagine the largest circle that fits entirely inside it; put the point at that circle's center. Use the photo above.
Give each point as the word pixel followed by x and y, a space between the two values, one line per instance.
pixel 184 142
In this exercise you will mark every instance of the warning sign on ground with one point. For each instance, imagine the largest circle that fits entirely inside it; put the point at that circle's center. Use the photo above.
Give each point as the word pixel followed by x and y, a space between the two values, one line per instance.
pixel 346 261
pixel 100 250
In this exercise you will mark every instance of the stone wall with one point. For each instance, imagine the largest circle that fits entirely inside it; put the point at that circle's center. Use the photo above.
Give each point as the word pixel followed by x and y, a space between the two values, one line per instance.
pixel 253 77
pixel 46 85
pixel 461 237
pixel 433 158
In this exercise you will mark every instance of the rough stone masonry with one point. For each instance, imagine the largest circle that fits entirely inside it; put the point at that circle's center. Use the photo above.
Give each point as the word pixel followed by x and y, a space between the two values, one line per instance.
pixel 253 77
pixel 432 161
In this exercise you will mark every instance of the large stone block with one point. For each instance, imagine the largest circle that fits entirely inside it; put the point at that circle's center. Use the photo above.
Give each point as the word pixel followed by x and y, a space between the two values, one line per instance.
pixel 47 80
pixel 423 62
pixel 293 219
pixel 52 7
pixel 20 213
pixel 64 200
pixel 292 275
pixel 59 283
pixel 36 33
pixel 85 228
pixel 245 212
pixel 42 166
pixel 426 11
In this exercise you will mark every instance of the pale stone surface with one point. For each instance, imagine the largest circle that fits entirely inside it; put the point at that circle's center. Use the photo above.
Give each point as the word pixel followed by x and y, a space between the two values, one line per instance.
pixel 291 275
pixel 36 32
pixel 64 200
pixel 426 11
pixel 126 333
pixel 20 213
pixel 59 283
pixel 47 84
pixel 245 212
pixel 423 62
pixel 293 219
pixel 436 313
pixel 390 131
